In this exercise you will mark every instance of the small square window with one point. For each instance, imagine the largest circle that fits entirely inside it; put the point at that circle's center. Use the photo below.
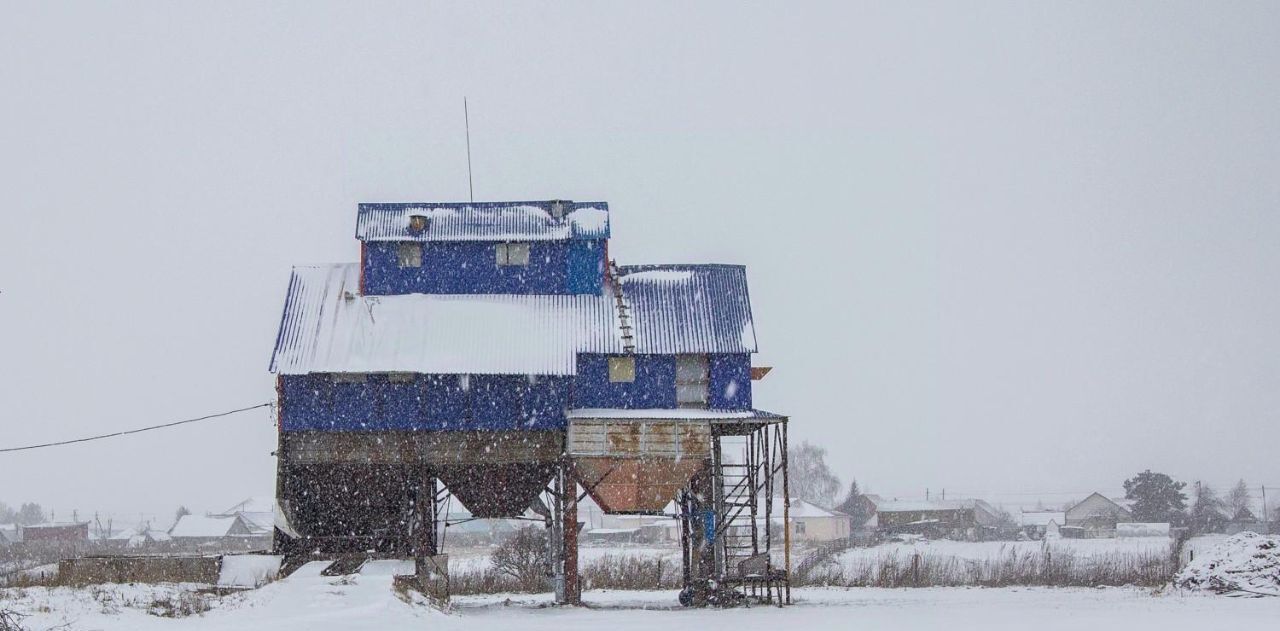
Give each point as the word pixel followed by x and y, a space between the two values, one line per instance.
pixel 622 369
pixel 409 254
pixel 512 254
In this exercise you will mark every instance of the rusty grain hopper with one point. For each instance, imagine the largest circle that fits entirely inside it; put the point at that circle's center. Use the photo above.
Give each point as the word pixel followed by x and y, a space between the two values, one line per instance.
pixel 637 465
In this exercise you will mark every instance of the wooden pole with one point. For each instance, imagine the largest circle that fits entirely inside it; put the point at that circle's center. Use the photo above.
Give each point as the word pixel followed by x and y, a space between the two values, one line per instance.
pixel 572 590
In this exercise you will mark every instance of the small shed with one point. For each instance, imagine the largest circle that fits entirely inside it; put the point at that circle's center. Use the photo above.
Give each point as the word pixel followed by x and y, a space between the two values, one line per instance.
pixel 1035 524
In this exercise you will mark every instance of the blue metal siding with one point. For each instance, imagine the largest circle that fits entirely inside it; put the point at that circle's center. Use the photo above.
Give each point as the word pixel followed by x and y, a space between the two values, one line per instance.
pixel 586 267
pixel 654 387
pixel 730 386
pixel 448 403
pixel 466 268
pixel 427 402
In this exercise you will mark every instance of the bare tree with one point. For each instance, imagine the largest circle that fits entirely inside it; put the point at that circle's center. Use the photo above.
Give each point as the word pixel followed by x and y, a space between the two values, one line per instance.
pixel 1207 511
pixel 810 479
pixel 29 514
pixel 1240 502
pixel 524 557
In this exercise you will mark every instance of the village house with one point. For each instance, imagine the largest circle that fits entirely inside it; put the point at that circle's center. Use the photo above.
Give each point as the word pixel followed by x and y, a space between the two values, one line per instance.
pixel 954 519
pixel 813 524
pixel 1095 517
pixel 55 533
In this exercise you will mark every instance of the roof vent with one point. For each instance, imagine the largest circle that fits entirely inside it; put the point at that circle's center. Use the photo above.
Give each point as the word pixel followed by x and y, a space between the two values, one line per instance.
pixel 559 207
pixel 418 223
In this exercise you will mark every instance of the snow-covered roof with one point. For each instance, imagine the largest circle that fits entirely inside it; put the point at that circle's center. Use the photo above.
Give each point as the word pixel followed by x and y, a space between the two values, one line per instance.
pixel 1042 518
pixel 201 526
pixel 328 326
pixel 485 221
pixel 801 509
pixel 257 522
pixel 251 505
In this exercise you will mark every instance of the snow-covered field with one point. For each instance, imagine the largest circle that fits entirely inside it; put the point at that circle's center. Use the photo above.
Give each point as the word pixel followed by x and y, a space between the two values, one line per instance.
pixel 308 601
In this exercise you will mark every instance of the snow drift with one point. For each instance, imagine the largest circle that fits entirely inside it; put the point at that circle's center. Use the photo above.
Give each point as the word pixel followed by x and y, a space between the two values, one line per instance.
pixel 1246 562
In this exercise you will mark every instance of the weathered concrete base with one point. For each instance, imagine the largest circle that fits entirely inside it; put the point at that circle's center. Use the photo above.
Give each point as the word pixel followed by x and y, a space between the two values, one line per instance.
pixel 431 579
pixel 94 570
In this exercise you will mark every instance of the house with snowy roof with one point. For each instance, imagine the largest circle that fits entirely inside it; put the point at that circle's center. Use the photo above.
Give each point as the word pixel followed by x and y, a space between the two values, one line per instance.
pixel 956 518
pixel 480 344
pixel 1096 516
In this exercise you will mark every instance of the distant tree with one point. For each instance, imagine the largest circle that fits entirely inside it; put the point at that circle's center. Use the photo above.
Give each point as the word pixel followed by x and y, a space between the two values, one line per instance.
pixel 855 505
pixel 180 513
pixel 1239 502
pixel 1156 496
pixel 809 476
pixel 30 513
pixel 1005 521
pixel 6 514
pixel 1206 511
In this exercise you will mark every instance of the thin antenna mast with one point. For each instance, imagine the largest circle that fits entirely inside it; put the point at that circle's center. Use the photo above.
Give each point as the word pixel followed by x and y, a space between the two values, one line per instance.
pixel 466 117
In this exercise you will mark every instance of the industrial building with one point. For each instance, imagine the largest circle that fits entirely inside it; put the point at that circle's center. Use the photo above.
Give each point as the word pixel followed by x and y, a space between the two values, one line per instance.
pixel 494 353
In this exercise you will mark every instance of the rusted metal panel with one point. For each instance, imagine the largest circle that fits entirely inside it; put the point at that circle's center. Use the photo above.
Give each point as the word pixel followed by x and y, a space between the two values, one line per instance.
pixel 634 485
pixel 637 438
pixel 637 465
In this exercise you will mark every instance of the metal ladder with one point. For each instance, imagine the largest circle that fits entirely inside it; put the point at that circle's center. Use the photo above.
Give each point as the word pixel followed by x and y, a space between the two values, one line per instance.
pixel 624 310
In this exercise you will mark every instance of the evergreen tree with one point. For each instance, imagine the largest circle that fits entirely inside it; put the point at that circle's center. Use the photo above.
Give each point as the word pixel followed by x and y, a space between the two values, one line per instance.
pixel 6 514
pixel 1157 497
pixel 855 505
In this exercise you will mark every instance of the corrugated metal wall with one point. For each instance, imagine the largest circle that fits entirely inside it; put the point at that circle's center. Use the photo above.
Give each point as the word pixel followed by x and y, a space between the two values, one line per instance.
pixel 470 267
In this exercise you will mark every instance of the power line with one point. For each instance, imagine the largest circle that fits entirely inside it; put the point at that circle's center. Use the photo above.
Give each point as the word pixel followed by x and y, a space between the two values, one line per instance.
pixel 134 431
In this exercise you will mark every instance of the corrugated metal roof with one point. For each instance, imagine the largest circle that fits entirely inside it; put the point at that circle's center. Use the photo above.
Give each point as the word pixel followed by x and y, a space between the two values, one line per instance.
pixel 328 326
pixel 486 221
pixel 683 306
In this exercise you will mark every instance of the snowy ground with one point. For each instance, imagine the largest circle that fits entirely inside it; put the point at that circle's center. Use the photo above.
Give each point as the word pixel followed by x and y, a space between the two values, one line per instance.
pixel 307 601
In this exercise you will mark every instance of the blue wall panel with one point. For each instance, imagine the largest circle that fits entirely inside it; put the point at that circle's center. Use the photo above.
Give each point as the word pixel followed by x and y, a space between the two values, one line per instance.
pixel 586 267
pixel 427 402
pixel 730 386
pixel 470 267
pixel 654 387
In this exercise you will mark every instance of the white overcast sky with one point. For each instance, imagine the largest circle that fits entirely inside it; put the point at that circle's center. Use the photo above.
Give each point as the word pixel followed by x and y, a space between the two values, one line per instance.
pixel 1017 250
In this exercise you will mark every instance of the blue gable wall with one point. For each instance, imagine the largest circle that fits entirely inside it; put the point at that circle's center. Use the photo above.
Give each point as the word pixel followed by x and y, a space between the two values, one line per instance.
pixel 470 267
pixel 730 387
pixel 428 402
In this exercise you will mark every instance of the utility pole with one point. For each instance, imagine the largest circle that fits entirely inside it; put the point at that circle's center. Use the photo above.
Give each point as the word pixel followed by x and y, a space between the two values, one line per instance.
pixel 1266 517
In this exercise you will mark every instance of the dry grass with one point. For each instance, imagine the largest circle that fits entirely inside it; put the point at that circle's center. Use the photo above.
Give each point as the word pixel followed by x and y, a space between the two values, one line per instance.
pixel 1058 568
